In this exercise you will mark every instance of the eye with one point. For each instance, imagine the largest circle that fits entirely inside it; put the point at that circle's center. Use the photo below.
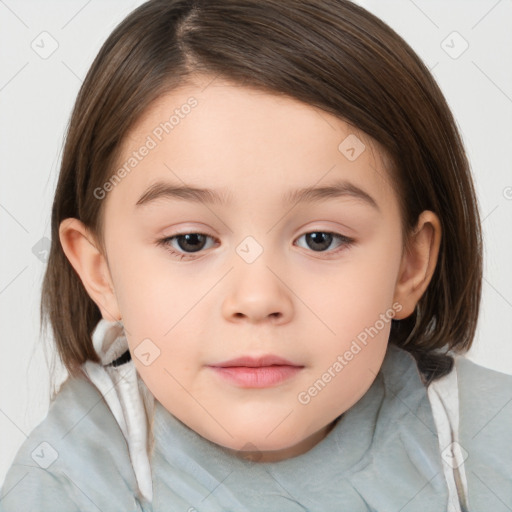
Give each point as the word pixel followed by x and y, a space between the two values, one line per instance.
pixel 320 241
pixel 185 245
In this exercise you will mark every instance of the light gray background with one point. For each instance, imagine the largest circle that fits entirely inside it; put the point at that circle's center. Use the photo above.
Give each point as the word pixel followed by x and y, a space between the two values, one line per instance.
pixel 36 98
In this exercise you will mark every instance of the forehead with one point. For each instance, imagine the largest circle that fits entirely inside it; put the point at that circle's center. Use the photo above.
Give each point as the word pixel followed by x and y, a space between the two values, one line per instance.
pixel 217 134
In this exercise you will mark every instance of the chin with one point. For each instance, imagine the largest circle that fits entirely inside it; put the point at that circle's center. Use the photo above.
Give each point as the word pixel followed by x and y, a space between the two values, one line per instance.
pixel 268 436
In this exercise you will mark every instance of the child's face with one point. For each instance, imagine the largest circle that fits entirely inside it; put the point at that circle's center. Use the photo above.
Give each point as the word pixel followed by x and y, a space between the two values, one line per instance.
pixel 259 284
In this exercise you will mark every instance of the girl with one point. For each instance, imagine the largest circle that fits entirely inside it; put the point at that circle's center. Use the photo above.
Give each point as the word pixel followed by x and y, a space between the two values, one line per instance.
pixel 266 264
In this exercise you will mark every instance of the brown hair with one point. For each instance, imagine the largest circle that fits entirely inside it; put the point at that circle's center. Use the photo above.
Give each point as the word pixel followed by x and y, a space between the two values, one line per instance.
pixel 331 54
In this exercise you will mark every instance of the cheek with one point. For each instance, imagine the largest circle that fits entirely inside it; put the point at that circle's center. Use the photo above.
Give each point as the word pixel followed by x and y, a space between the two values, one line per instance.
pixel 156 311
pixel 167 354
pixel 149 296
pixel 352 294
pixel 354 306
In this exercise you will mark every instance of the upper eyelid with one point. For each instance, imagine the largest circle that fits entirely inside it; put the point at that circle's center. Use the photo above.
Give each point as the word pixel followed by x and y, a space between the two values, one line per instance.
pixel 345 238
pixel 175 235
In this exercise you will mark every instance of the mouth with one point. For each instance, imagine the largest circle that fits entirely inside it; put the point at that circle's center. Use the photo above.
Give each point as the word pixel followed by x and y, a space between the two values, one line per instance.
pixel 256 372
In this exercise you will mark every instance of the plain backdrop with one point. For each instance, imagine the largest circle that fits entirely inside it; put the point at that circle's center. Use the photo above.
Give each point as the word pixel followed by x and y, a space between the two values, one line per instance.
pixel 46 50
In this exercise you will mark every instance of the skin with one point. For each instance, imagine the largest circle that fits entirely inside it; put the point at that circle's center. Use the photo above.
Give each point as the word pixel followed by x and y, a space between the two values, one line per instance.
pixel 296 300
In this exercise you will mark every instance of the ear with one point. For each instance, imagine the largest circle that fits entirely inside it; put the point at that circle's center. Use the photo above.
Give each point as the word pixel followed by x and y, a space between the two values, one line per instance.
pixel 81 249
pixel 418 263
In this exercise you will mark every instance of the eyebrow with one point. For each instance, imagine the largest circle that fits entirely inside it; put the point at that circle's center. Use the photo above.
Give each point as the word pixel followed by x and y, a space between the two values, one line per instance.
pixel 165 190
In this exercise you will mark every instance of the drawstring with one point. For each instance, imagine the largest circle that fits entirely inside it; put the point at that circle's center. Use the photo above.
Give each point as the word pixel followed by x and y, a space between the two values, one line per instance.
pixel 443 394
pixel 131 403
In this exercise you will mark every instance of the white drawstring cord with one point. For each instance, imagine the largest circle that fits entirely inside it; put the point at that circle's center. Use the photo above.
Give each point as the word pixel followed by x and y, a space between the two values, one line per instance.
pixel 121 388
pixel 443 394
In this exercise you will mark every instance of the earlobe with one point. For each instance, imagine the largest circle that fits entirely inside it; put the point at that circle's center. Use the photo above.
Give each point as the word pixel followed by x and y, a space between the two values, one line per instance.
pixel 90 264
pixel 418 263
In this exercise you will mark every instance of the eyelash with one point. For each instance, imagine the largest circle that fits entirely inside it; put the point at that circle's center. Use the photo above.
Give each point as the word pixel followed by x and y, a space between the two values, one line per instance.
pixel 346 242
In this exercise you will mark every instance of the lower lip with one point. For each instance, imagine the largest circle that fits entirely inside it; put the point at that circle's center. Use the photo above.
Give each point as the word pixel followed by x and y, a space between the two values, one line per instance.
pixel 259 377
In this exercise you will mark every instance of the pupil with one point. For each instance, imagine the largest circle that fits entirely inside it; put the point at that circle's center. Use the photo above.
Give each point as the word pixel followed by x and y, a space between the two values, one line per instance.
pixel 322 239
pixel 191 241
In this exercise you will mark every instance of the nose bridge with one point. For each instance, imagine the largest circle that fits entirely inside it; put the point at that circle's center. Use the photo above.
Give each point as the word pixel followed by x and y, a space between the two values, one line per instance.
pixel 256 290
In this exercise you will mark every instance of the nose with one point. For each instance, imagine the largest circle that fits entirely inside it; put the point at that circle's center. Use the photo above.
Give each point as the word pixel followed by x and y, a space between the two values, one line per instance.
pixel 256 293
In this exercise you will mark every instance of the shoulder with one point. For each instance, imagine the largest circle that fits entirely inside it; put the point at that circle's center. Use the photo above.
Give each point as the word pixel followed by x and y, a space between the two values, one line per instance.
pixel 75 459
pixel 485 397
pixel 485 433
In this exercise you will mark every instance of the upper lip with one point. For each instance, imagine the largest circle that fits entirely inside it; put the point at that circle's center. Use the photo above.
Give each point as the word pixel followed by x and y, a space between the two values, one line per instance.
pixel 256 362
